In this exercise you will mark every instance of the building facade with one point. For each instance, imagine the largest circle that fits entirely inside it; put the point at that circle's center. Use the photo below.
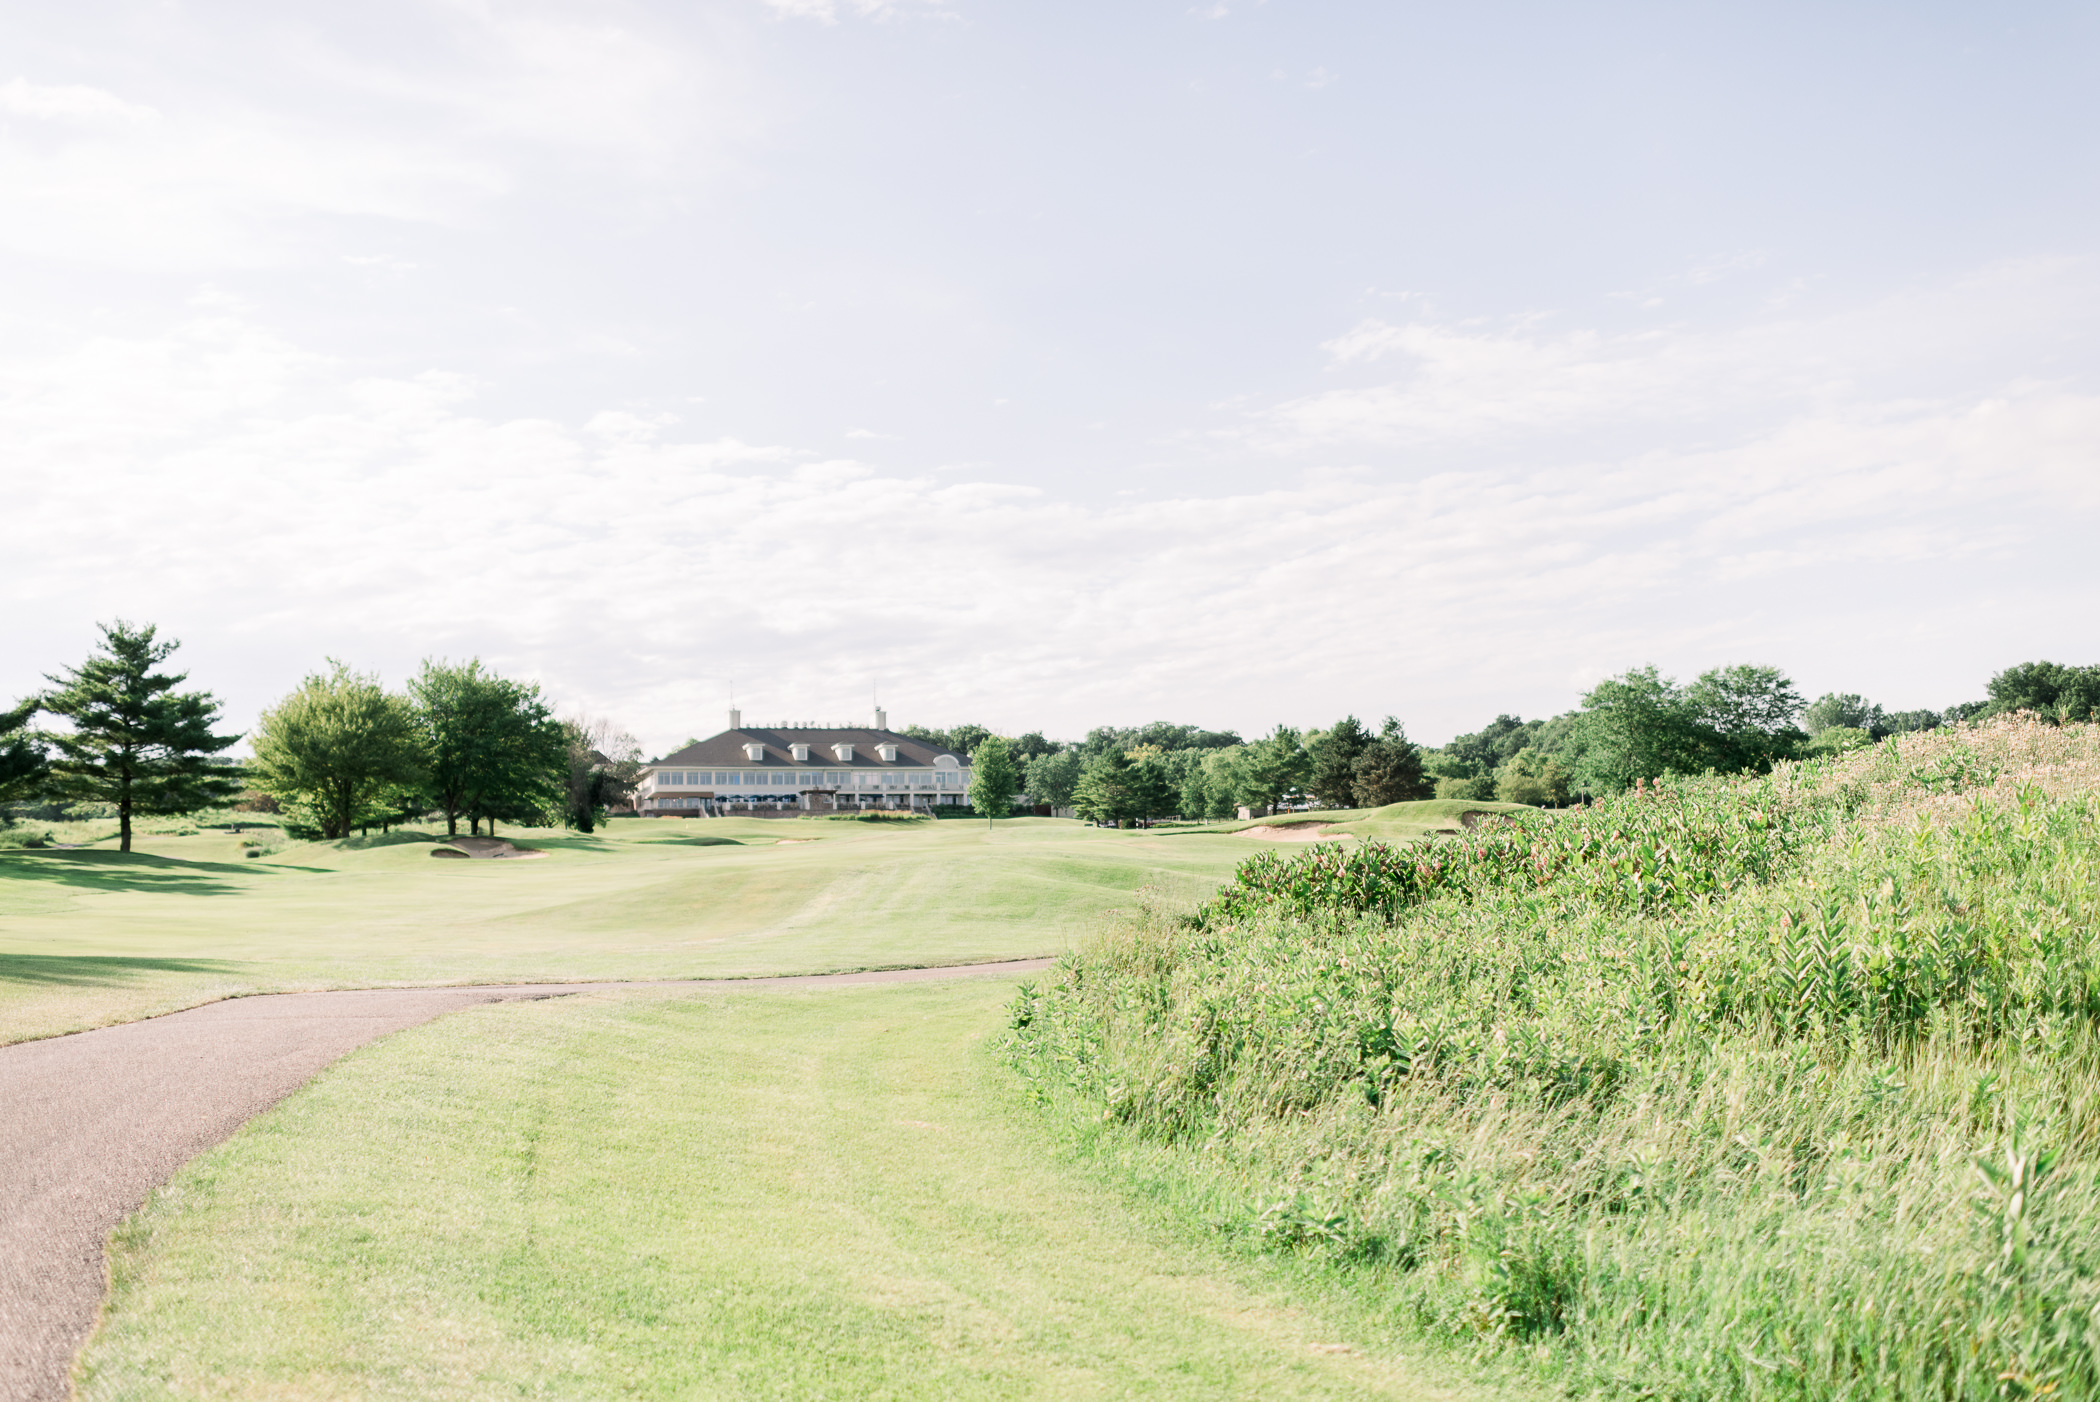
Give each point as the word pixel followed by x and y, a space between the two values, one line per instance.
pixel 766 769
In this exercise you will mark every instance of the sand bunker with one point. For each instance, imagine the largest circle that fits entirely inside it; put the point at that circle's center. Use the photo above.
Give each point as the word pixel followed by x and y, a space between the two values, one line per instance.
pixel 1297 832
pixel 483 847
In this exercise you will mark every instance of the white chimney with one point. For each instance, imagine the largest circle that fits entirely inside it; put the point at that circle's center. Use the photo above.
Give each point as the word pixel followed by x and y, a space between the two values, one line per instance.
pixel 882 719
pixel 736 719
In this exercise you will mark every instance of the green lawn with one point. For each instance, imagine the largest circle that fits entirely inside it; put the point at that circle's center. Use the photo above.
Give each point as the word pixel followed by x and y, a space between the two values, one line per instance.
pixel 829 1193
pixel 94 936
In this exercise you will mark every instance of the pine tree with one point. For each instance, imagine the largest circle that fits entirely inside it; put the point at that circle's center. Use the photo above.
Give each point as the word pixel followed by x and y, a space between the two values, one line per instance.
pixel 1334 758
pixel 24 764
pixel 1103 793
pixel 136 742
pixel 1152 791
pixel 1389 770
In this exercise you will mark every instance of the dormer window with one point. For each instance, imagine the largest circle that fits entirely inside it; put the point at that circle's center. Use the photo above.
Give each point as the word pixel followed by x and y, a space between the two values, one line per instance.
pixel 801 753
pixel 843 753
pixel 754 752
pixel 888 753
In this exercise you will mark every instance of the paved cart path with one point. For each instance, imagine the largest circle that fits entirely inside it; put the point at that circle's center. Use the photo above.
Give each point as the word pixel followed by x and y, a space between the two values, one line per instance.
pixel 91 1123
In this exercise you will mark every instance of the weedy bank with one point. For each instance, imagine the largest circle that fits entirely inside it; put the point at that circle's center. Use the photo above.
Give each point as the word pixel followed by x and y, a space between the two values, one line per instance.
pixel 1773 1088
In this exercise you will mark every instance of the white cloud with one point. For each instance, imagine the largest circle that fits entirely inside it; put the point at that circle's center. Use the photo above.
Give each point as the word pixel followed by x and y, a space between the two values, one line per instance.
pixel 71 102
pixel 828 11
pixel 1526 381
pixel 241 489
pixel 465 106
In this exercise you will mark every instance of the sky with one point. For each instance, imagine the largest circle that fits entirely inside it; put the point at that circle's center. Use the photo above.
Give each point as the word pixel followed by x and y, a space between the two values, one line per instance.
pixel 1052 365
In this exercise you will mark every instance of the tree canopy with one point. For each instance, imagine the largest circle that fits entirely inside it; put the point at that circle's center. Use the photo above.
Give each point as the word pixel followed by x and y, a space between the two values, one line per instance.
pixel 494 749
pixel 1642 725
pixel 25 766
pixel 340 751
pixel 2051 690
pixel 604 764
pixel 993 778
pixel 1333 754
pixel 136 742
pixel 1389 770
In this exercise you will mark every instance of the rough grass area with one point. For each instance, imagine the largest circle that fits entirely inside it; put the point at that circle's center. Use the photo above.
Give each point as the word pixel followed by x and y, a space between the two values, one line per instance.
pixel 1765 1089
pixel 831 1194
pixel 92 936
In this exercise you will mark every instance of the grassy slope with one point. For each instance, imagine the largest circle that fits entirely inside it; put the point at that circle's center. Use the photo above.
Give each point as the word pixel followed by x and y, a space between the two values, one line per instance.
pixel 1396 822
pixel 93 936
pixel 1826 1127
pixel 825 1194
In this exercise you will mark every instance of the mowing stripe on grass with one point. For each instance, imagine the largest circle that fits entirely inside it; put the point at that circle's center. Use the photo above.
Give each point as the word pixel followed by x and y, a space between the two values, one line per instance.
pixel 815 1193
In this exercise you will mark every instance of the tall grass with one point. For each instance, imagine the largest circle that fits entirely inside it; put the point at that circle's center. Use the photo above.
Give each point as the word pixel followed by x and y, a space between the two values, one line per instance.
pixel 1775 1088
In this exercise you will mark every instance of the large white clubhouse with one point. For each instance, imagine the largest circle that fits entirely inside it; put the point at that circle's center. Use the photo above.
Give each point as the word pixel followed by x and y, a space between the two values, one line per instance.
pixel 801 769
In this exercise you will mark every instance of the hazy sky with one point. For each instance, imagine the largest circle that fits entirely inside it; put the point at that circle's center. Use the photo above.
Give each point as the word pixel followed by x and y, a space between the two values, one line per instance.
pixel 1053 365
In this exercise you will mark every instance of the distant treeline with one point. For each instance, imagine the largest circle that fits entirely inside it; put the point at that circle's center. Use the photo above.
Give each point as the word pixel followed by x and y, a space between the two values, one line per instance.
pixel 338 754
pixel 1639 725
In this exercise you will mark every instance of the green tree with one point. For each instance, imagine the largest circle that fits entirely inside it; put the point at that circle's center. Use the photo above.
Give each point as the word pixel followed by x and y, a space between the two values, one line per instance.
pixel 1193 793
pixel 135 741
pixel 1162 735
pixel 1151 788
pixel 2051 690
pixel 1909 722
pixel 1744 717
pixel 1847 710
pixel 604 763
pixel 25 764
pixel 967 739
pixel 1103 794
pixel 1533 778
pixel 1642 725
pixel 1333 755
pixel 1389 770
pixel 1032 747
pixel 494 748
pixel 340 749
pixel 1276 770
pixel 1837 739
pixel 1485 750
pixel 1636 726
pixel 1221 782
pixel 993 778
pixel 1052 777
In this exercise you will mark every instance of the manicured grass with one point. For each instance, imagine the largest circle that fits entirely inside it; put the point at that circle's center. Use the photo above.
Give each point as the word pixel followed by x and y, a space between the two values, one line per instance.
pixel 95 936
pixel 815 1194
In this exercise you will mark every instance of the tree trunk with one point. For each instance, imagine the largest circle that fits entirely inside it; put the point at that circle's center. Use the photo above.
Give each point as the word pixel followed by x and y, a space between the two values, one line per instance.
pixel 124 823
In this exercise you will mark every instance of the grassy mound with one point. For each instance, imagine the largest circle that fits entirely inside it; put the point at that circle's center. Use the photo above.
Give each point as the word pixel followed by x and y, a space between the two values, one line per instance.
pixel 1759 1089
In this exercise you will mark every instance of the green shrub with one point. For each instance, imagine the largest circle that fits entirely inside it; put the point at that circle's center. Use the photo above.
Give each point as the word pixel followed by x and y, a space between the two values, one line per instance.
pixel 1762 1088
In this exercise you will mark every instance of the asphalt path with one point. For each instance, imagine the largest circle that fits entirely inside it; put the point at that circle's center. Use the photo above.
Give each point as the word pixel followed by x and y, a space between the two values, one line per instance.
pixel 93 1122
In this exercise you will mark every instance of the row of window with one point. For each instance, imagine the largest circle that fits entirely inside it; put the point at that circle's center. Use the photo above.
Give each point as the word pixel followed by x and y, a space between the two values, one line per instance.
pixel 810 779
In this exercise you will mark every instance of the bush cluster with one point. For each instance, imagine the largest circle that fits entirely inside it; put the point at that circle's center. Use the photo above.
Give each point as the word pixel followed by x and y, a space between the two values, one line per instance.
pixel 1769 1088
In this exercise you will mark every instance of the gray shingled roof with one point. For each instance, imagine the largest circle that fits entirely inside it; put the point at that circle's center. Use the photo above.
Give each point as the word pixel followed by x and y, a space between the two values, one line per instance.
pixel 727 749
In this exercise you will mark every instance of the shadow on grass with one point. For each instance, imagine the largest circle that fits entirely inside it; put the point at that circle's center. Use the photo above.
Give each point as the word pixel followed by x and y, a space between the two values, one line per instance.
pixel 691 841
pixel 121 871
pixel 99 970
pixel 381 839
